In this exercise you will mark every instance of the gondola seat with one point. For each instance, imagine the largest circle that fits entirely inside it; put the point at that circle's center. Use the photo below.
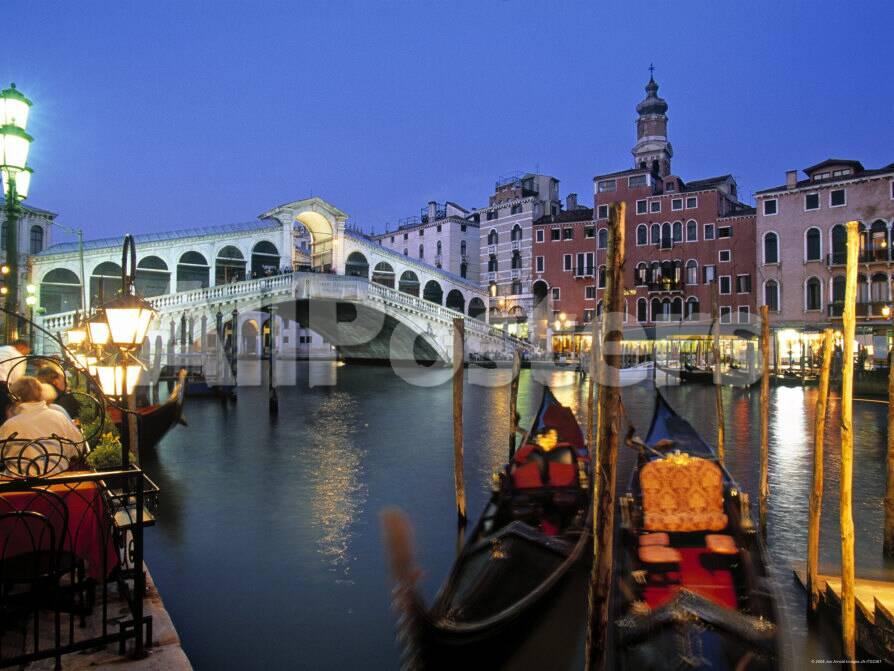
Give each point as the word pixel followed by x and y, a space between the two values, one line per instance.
pixel 682 494
pixel 657 538
pixel 721 544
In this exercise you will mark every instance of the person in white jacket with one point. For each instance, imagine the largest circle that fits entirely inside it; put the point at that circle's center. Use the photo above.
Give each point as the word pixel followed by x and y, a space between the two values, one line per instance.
pixel 37 439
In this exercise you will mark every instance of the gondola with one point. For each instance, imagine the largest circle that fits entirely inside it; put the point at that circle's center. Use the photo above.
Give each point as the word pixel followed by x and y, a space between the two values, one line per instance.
pixel 521 570
pixel 735 377
pixel 154 421
pixel 693 589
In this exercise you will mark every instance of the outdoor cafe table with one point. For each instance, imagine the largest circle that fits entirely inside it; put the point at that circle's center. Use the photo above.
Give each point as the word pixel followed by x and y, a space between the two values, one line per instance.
pixel 89 534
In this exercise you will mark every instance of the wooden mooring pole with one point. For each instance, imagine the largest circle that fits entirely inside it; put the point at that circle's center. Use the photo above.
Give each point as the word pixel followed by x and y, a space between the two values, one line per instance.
pixel 458 371
pixel 765 418
pixel 889 490
pixel 513 401
pixel 815 512
pixel 846 514
pixel 605 470
pixel 718 377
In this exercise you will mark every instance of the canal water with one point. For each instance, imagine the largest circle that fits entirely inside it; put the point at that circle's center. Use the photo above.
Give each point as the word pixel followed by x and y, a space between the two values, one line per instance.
pixel 268 552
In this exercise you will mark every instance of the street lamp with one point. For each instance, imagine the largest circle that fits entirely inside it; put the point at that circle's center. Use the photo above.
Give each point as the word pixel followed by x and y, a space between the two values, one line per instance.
pixel 14 146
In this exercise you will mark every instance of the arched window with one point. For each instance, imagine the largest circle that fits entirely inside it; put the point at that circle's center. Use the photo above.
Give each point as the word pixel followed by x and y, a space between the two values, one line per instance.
pixel 599 308
pixel 152 277
pixel 421 251
pixel 862 289
pixel 676 309
pixel 356 265
pixel 602 238
pixel 642 234
pixel 878 240
pixel 492 264
pixel 601 283
pixel 36 243
pixel 492 237
pixel 516 287
pixel 516 260
pixel 665 235
pixel 813 294
pixel 771 295
pixel 642 309
pixel 691 231
pixel 383 274
pixel 692 308
pixel 879 288
pixel 678 231
pixel 433 292
pixel 813 248
pixel 264 259
pixel 838 286
pixel 105 282
pixel 462 247
pixel 657 311
pixel 456 301
pixel 516 233
pixel 771 248
pixel 642 274
pixel 839 245
pixel 691 272
pixel 408 283
pixel 192 272
pixel 60 291
pixel 477 309
pixel 655 234
pixel 229 266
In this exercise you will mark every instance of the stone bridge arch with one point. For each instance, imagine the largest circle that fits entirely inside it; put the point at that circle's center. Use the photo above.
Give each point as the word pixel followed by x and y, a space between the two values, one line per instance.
pixel 325 224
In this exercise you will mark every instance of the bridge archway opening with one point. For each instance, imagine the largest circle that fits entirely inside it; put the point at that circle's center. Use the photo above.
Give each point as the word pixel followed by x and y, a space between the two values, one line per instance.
pixel 409 283
pixel 477 310
pixel 229 266
pixel 60 291
pixel 105 282
pixel 456 300
pixel 192 271
pixel 322 235
pixel 264 259
pixel 383 274
pixel 249 333
pixel 433 292
pixel 356 265
pixel 152 277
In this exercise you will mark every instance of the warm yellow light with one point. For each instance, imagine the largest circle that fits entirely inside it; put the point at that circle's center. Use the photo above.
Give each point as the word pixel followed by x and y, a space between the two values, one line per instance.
pixel 886 311
pixel 30 288
pixel 4 290
pixel 30 300
pixel 4 269
pixel 77 336
pixel 562 316
pixel 99 331
pixel 14 146
pixel 112 379
pixel 558 325
pixel 128 318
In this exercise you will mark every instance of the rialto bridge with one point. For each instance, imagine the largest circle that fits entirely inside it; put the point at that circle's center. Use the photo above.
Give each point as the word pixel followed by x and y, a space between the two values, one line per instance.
pixel 328 287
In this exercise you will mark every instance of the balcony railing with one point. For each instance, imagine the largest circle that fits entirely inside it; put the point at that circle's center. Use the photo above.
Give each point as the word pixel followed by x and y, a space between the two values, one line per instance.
pixel 665 284
pixel 871 310
pixel 865 256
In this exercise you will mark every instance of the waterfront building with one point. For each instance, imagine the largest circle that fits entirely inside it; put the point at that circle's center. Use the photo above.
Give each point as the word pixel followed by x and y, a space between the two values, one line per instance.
pixel 681 236
pixel 506 228
pixel 442 235
pixel 801 253
pixel 564 274
pixel 33 234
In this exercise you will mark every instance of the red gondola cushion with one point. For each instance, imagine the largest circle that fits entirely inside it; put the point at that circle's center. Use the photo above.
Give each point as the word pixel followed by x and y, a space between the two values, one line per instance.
pixel 562 475
pixel 527 476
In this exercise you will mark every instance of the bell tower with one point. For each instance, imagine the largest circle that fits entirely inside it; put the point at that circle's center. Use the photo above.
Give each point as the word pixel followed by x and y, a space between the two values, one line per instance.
pixel 652 149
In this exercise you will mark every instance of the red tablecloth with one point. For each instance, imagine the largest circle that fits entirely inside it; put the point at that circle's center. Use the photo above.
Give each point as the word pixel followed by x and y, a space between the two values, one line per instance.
pixel 89 530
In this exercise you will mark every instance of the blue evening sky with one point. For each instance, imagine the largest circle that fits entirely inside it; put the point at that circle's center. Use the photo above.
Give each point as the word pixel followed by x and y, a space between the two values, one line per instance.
pixel 166 114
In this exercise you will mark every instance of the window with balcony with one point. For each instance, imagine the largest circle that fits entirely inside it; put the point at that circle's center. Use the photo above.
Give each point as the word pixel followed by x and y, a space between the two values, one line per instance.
pixel 516 260
pixel 516 233
pixel 641 276
pixel 642 310
pixel 692 308
pixel 839 245
pixel 492 237
pixel 492 265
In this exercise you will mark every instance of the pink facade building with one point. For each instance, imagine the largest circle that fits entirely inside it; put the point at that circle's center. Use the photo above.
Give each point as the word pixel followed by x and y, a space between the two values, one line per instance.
pixel 801 247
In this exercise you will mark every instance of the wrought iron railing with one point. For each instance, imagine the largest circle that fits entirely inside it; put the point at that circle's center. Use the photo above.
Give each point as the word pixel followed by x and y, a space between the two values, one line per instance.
pixel 870 310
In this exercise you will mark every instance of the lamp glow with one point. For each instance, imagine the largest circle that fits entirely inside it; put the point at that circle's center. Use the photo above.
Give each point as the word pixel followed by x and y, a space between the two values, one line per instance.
pixel 98 330
pixel 22 180
pixel 128 318
pixel 30 300
pixel 14 108
pixel 112 378
pixel 77 336
pixel 886 312
pixel 14 146
pixel 558 325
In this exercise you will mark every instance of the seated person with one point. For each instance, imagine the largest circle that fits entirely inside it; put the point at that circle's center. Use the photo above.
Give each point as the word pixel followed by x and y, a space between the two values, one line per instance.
pixel 28 434
pixel 55 394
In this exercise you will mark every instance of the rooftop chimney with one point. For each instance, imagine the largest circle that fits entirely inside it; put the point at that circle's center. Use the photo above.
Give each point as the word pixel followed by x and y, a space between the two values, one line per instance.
pixel 571 202
pixel 432 210
pixel 791 179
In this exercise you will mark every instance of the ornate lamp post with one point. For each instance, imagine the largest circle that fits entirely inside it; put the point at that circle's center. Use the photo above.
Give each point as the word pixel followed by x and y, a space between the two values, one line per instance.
pixel 14 146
